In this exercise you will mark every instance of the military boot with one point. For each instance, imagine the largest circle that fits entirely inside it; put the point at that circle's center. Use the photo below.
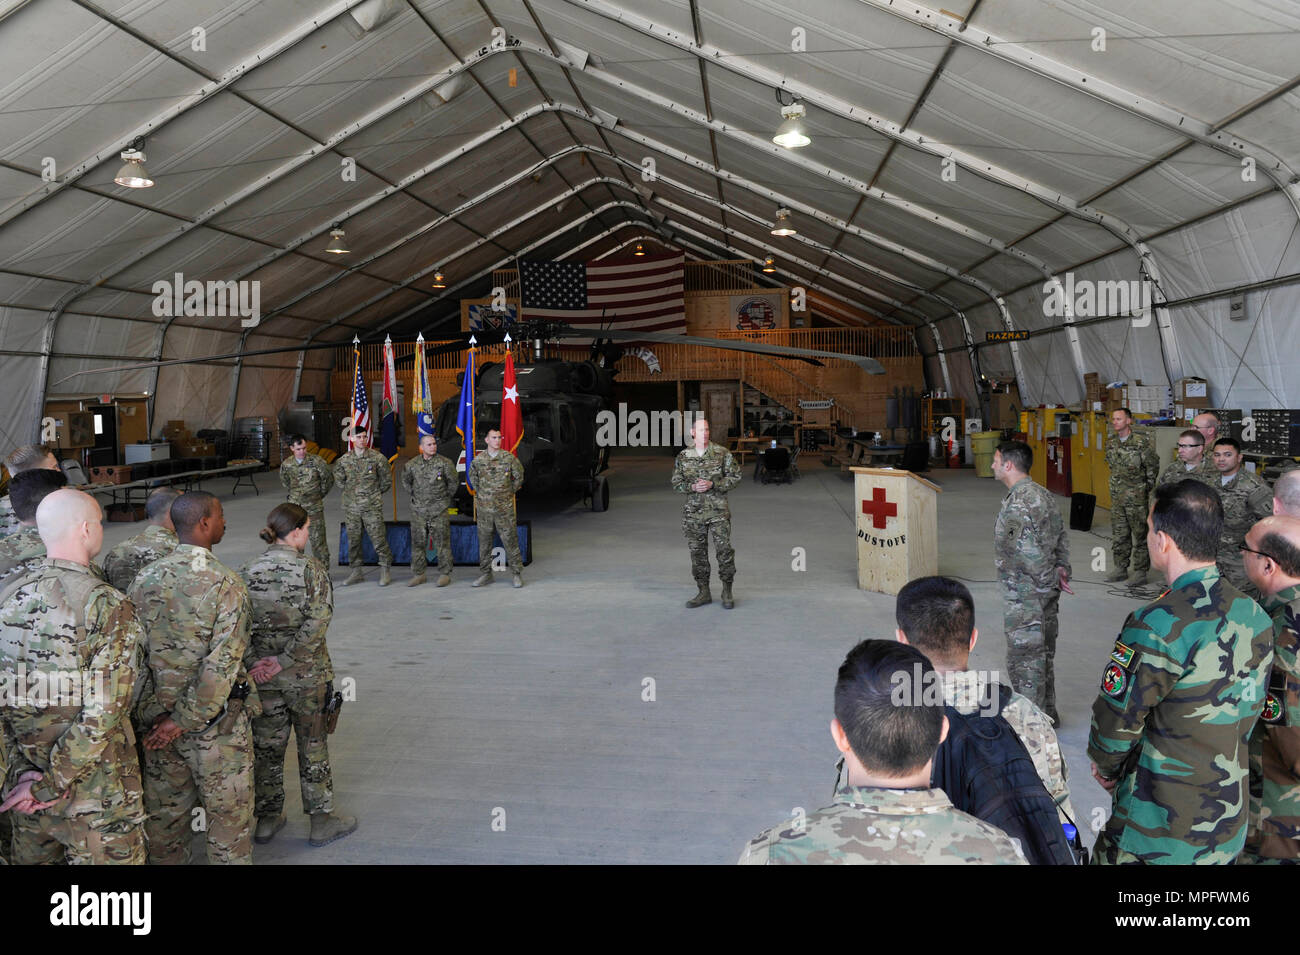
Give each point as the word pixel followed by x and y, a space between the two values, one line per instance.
pixel 355 577
pixel 727 601
pixel 385 576
pixel 1119 574
pixel 327 827
pixel 444 580
pixel 1137 578
pixel 483 580
pixel 267 827
pixel 416 580
pixel 517 582
pixel 702 598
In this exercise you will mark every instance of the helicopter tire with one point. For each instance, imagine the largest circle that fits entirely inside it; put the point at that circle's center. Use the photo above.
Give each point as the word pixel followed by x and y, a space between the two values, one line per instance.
pixel 599 494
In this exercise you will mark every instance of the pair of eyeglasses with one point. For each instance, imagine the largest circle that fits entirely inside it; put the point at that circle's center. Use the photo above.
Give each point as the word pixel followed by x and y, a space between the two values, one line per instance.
pixel 1251 550
pixel 1191 445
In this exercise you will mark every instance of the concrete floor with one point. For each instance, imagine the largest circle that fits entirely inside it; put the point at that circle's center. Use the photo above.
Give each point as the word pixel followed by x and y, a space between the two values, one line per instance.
pixel 500 725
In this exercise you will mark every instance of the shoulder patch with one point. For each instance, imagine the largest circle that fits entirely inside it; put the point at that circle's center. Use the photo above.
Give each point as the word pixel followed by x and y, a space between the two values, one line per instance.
pixel 1124 655
pixel 1274 712
pixel 1115 681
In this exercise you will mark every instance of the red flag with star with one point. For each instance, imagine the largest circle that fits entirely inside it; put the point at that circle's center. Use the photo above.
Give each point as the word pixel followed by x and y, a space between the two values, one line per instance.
pixel 512 419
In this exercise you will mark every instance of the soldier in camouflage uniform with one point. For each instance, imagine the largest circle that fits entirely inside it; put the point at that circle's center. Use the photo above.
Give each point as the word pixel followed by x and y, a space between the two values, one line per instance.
pixel 153 543
pixel 74 782
pixel 307 479
pixel 197 696
pixel 431 480
pixel 705 473
pixel 1286 493
pixel 1273 565
pixel 1134 469
pixel 365 477
pixel 1192 462
pixel 1179 697
pixel 496 476
pixel 24 549
pixel 29 457
pixel 924 602
pixel 292 604
pixel 1246 500
pixel 885 812
pixel 1032 554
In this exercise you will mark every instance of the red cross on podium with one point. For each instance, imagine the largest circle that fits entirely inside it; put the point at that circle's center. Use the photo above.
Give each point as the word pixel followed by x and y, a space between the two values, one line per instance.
pixel 878 508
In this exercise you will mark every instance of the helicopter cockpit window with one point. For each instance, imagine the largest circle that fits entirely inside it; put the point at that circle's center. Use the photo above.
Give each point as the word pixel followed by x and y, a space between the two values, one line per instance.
pixel 567 433
pixel 537 421
pixel 486 418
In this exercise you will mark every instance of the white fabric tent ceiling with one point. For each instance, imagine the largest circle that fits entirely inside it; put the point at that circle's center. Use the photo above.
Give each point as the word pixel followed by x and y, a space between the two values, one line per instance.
pixel 1115 163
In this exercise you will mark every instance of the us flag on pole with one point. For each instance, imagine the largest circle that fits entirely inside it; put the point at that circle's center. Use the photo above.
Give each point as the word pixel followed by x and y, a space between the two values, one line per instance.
pixel 642 293
pixel 360 406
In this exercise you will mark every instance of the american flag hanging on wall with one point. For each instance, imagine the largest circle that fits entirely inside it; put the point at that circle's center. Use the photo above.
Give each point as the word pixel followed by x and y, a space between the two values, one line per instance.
pixel 635 294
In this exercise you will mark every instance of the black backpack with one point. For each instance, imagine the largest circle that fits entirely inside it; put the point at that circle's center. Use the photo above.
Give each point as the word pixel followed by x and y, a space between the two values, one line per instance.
pixel 987 772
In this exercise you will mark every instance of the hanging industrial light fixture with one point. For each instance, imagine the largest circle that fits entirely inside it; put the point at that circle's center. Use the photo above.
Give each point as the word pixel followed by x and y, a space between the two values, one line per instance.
pixel 639 250
pixel 790 133
pixel 133 174
pixel 784 223
pixel 337 245
pixel 769 264
pixel 438 280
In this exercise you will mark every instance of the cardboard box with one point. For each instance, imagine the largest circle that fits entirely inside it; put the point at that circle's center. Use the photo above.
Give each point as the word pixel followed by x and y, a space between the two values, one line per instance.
pixel 1191 390
pixel 110 474
pixel 1004 412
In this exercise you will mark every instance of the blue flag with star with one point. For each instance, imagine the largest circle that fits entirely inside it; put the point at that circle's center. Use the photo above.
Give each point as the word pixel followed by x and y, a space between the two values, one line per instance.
pixel 465 416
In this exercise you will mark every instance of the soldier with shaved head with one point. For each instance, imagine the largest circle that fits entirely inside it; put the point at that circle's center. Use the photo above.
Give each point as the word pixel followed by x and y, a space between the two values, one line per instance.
pixel 1286 494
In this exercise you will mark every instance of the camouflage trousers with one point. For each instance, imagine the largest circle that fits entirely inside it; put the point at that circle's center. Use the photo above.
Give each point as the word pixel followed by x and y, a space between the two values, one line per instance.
pixel 697 542
pixel 372 521
pixel 1128 536
pixel 213 769
pixel 503 521
pixel 1106 851
pixel 435 526
pixel 318 532
pixel 299 709
pixel 46 838
pixel 1030 621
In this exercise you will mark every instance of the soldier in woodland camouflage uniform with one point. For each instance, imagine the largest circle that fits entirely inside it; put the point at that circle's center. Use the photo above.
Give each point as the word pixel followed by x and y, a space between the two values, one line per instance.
pixel 1192 461
pixel 197 696
pixel 1179 697
pixel 1032 554
pixel 26 458
pixel 496 476
pixel 1246 500
pixel 1273 565
pixel 705 473
pixel 74 782
pixel 24 549
pixel 884 812
pixel 308 479
pixel 153 543
pixel 1134 470
pixel 431 480
pixel 292 604
pixel 365 477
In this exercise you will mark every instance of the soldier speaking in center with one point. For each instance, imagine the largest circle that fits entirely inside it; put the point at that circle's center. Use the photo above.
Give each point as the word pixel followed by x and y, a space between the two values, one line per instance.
pixel 496 475
pixel 365 477
pixel 705 472
pixel 431 480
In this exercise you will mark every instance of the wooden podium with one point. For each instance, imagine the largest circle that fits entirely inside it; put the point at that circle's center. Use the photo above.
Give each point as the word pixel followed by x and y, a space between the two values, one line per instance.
pixel 898 528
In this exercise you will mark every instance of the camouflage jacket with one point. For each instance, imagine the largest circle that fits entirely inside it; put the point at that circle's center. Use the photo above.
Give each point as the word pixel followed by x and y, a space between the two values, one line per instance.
pixel 20 551
pixel 1246 500
pixel 869 826
pixel 364 478
pixel 1134 467
pixel 292 601
pixel 129 557
pixel 969 691
pixel 1029 539
pixel 717 465
pixel 308 482
pixel 1275 744
pixel 196 616
pixel 63 623
pixel 1176 471
pixel 8 519
pixel 431 483
pixel 1179 697
pixel 495 480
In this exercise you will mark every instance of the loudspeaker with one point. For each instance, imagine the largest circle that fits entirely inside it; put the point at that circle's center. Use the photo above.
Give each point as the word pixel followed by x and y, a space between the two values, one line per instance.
pixel 1081 510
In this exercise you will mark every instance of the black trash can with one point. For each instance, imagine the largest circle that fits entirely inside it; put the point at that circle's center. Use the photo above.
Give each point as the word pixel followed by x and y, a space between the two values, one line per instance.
pixel 1081 509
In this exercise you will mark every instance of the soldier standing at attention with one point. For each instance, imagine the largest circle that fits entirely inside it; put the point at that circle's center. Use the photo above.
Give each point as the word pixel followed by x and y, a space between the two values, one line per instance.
pixel 1134 468
pixel 75 781
pixel 1272 552
pixel 365 477
pixel 496 475
pixel 1179 697
pixel 26 458
pixel 156 541
pixel 23 550
pixel 1032 554
pixel 705 472
pixel 292 604
pixel 197 697
pixel 308 479
pixel 1192 461
pixel 1246 500
pixel 431 480
pixel 885 812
